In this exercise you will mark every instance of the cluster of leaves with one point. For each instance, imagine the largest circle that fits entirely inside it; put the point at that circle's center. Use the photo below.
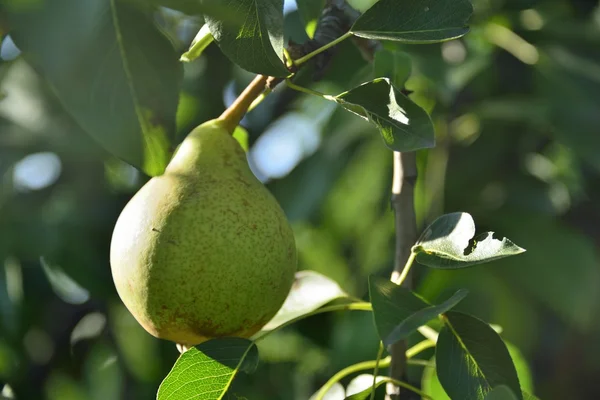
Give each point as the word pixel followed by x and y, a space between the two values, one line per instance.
pixel 119 56
pixel 471 360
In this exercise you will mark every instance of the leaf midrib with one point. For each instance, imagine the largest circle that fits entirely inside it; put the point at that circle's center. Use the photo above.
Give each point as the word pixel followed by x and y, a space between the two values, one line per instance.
pixel 129 77
pixel 466 350
pixel 408 32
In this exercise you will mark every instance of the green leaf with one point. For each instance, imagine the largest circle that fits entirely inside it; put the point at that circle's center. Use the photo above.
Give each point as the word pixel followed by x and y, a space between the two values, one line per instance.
pixel 395 65
pixel 111 68
pixel 403 125
pixel 398 312
pixel 310 11
pixel 446 243
pixel 201 41
pixel 310 291
pixel 414 21
pixel 241 135
pixel 501 392
pixel 255 43
pixel 423 316
pixel 471 359
pixel 522 367
pixel 431 384
pixel 206 371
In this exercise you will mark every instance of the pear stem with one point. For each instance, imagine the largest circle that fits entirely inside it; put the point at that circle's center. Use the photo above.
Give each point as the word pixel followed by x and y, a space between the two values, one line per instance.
pixel 235 112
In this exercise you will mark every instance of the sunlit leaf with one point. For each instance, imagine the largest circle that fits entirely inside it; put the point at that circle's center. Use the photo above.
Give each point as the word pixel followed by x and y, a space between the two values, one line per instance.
pixel 63 285
pixel 241 135
pixel 360 387
pixel 205 372
pixel 403 125
pixel 201 41
pixel 256 43
pixel 310 11
pixel 113 70
pixel 471 359
pixel 310 291
pixel 446 243
pixel 336 392
pixel 88 327
pixel 414 21
pixel 522 367
pixel 431 385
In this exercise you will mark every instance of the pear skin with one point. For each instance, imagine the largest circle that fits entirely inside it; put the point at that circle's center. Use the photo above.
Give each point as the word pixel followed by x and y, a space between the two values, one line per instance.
pixel 203 250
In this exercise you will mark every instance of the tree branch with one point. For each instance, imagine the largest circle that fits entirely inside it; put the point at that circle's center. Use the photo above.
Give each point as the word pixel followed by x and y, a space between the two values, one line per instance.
pixel 403 187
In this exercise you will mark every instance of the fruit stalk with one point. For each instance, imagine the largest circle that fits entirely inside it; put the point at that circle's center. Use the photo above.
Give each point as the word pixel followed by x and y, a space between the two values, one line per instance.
pixel 232 116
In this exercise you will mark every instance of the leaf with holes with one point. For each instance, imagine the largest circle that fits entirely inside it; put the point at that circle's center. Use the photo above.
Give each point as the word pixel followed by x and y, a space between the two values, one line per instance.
pixel 255 43
pixel 310 291
pixel 403 125
pixel 471 359
pixel 414 21
pixel 446 243
pixel 206 371
pixel 112 69
pixel 398 312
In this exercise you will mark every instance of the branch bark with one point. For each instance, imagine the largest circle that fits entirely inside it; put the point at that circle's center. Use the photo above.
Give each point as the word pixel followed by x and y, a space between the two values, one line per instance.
pixel 403 188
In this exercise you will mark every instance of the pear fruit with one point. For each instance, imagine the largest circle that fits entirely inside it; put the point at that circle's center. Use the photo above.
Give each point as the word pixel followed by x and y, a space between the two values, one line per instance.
pixel 203 250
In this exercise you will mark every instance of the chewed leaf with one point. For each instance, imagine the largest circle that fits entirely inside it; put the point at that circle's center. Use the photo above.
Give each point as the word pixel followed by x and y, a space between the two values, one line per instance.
pixel 310 291
pixel 450 242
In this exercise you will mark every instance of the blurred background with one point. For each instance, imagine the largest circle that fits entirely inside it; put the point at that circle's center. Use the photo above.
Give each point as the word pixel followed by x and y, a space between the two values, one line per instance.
pixel 516 104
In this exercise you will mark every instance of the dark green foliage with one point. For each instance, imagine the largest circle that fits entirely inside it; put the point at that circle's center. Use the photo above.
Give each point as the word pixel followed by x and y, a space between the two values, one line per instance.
pixel 514 105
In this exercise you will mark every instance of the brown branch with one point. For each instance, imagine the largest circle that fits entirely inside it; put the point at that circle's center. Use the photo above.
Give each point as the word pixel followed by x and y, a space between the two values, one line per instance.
pixel 403 187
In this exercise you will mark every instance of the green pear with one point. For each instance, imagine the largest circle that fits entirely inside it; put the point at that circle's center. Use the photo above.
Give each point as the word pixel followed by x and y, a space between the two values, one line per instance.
pixel 203 250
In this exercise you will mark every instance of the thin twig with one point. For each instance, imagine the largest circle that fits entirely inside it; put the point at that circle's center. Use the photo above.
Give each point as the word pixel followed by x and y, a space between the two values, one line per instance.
pixel 403 185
